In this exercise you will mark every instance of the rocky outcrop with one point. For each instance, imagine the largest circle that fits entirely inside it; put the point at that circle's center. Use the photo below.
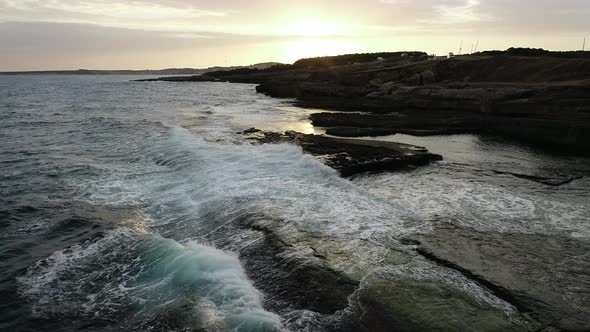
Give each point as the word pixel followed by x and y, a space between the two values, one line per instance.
pixel 550 116
pixel 350 157
pixel 440 121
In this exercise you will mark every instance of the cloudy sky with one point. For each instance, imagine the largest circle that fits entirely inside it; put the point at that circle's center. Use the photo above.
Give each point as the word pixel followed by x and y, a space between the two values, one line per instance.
pixel 141 34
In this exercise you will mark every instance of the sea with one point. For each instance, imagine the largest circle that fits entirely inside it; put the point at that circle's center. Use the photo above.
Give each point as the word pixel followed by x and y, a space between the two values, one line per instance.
pixel 120 201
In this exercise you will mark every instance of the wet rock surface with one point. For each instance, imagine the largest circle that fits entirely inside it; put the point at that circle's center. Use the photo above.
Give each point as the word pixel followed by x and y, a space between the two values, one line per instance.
pixel 423 297
pixel 296 282
pixel 348 156
pixel 452 279
pixel 547 277
pixel 362 285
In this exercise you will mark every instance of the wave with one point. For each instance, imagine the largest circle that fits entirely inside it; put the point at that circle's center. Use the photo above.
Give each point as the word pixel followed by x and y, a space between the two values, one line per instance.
pixel 148 281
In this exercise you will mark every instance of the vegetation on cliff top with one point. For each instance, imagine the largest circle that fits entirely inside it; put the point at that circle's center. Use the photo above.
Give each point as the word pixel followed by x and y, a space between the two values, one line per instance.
pixel 348 59
pixel 536 52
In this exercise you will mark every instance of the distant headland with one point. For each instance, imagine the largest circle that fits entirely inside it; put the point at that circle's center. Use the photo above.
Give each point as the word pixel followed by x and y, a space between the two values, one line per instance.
pixel 164 72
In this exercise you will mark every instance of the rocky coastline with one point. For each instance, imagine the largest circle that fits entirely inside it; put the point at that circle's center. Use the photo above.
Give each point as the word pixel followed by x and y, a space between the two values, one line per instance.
pixel 453 278
pixel 543 101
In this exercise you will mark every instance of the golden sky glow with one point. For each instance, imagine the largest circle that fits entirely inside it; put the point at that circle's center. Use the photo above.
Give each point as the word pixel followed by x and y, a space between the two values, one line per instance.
pixel 309 27
pixel 139 34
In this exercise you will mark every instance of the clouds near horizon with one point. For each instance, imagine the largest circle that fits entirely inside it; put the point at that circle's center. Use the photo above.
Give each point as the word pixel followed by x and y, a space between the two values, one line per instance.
pixel 163 26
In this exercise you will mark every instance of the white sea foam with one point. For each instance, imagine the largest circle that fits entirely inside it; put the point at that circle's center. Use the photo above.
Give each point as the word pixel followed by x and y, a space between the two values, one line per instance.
pixel 278 181
pixel 502 203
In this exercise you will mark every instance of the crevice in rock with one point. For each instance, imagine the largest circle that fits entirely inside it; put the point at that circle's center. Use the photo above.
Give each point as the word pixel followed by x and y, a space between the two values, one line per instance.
pixel 554 182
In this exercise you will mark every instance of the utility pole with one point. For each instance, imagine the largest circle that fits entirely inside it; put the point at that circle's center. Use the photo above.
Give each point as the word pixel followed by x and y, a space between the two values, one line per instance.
pixel 471 49
pixel 461 48
pixel 584 45
pixel 476 45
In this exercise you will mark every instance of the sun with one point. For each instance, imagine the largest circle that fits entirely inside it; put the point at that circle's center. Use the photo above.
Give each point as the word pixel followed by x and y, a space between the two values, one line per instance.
pixel 307 27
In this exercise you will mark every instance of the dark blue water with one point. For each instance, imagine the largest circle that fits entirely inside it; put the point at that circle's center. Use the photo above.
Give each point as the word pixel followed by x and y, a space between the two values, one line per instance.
pixel 118 201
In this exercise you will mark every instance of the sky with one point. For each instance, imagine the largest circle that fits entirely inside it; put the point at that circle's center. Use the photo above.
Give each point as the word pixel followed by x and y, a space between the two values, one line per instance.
pixel 156 34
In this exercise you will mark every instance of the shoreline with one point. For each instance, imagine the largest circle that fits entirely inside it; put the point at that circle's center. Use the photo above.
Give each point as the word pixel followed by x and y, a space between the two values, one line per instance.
pixel 509 288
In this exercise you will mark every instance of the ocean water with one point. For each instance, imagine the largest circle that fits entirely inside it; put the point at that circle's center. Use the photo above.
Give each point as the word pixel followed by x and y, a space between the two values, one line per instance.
pixel 120 200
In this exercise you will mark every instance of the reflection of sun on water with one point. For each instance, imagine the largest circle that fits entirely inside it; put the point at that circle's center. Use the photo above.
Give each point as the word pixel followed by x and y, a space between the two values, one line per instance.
pixel 307 48
pixel 302 127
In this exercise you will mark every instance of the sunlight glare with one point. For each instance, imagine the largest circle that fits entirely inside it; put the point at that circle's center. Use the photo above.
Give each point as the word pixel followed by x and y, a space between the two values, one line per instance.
pixel 311 28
